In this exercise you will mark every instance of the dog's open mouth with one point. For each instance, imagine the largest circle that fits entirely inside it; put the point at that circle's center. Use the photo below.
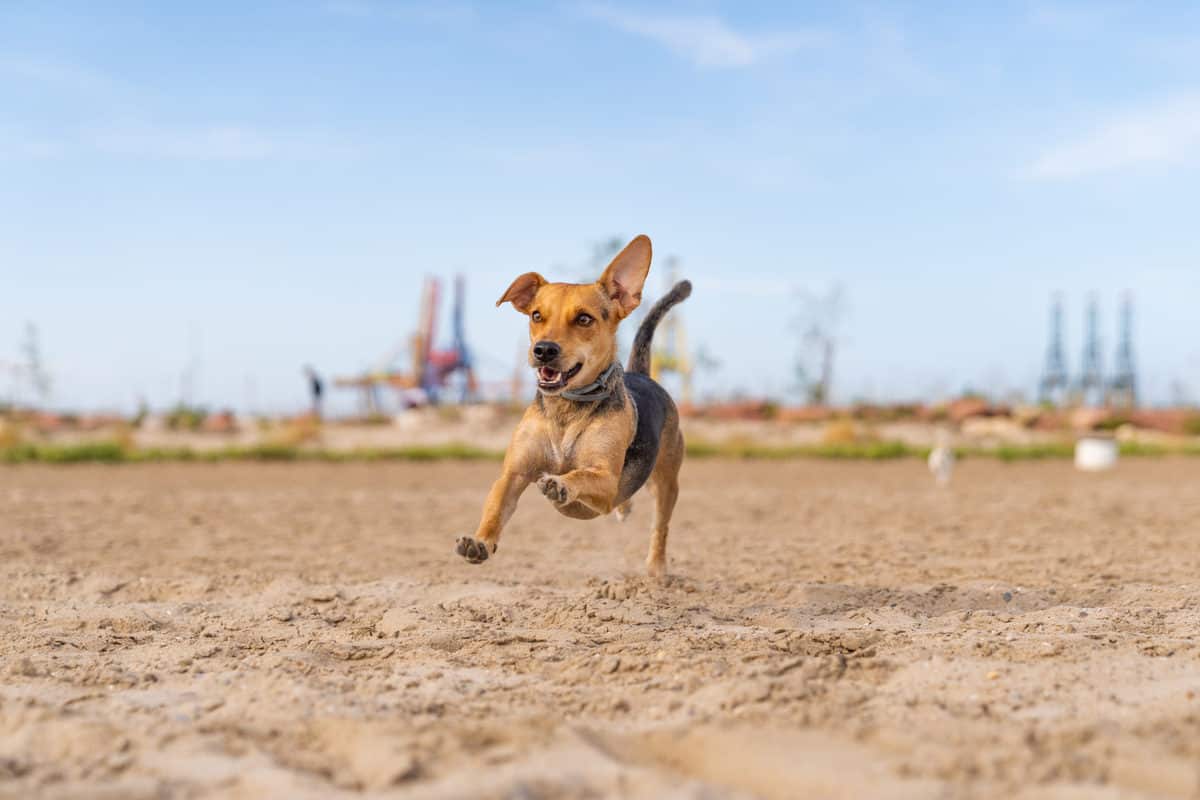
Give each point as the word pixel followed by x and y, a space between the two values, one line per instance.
pixel 550 378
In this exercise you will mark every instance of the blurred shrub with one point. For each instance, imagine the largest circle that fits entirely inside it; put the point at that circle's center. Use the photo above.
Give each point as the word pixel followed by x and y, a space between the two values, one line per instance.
pixel 1113 422
pixel 840 432
pixel 1032 452
pixel 438 452
pixel 267 452
pixel 103 452
pixel 296 432
pixel 10 433
pixel 123 437
pixel 852 450
pixel 1143 449
pixel 186 418
pixel 18 454
pixel 106 452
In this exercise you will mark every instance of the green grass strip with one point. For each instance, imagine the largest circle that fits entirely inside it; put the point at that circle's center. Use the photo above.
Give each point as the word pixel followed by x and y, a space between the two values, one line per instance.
pixel 115 453
pixel 108 452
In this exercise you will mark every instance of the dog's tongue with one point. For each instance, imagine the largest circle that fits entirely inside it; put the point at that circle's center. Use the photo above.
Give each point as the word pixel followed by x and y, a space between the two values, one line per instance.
pixel 547 375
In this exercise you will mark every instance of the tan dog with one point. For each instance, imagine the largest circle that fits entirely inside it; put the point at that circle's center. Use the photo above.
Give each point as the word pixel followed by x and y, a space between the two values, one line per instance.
pixel 594 435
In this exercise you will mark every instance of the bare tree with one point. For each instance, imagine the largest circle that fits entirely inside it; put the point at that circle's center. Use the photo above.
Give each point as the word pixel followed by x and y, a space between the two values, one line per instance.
pixel 706 362
pixel 603 252
pixel 818 320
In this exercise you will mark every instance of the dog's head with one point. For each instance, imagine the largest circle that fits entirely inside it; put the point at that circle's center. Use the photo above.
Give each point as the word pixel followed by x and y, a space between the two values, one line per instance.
pixel 573 326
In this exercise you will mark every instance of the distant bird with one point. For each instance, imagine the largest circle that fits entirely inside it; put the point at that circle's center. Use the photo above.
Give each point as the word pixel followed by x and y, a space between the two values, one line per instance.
pixel 941 459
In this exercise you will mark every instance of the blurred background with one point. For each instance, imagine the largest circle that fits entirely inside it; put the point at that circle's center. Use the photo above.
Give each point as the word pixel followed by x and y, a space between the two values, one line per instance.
pixel 212 211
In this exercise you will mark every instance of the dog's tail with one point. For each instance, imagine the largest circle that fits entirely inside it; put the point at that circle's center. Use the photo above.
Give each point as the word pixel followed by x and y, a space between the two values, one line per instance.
pixel 639 356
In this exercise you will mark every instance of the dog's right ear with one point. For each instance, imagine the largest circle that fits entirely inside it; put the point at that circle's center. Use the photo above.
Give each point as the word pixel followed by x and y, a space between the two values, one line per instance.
pixel 522 292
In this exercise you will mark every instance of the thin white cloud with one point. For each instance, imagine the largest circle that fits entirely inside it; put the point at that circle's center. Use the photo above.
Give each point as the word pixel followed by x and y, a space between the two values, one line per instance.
pixel 59 74
pixel 19 144
pixel 706 41
pixel 140 138
pixel 1162 134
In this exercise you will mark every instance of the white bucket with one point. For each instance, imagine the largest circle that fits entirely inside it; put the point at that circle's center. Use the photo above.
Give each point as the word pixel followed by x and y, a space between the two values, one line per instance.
pixel 1095 454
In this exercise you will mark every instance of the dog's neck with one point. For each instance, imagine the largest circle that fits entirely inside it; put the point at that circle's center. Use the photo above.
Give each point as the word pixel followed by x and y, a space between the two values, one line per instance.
pixel 586 398
pixel 599 389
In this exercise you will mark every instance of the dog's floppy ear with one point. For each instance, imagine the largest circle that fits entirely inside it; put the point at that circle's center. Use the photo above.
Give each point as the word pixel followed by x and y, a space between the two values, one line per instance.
pixel 624 277
pixel 522 291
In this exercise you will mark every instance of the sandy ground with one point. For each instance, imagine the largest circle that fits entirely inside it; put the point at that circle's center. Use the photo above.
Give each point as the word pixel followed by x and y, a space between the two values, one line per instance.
pixel 829 630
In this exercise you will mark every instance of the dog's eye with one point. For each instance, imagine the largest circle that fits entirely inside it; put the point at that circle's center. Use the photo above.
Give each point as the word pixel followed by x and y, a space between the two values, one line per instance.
pixel 536 316
pixel 583 320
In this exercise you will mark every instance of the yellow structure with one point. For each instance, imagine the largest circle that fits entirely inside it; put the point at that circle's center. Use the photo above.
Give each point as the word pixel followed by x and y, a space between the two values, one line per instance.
pixel 670 352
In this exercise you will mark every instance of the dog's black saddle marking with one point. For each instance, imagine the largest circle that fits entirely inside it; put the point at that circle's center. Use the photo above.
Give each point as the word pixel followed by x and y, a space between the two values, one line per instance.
pixel 651 403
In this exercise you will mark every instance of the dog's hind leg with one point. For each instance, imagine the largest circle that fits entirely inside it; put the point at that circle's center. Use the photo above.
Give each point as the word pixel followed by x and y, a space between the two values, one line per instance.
pixel 664 485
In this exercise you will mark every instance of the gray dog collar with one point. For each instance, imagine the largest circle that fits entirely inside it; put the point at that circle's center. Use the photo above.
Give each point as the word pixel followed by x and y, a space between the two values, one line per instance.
pixel 598 389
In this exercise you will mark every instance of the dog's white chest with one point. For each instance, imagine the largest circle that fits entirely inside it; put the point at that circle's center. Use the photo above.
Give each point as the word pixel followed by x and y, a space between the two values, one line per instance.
pixel 560 451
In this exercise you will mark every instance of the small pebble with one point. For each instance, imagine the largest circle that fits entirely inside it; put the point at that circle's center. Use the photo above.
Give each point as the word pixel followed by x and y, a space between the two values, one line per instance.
pixel 323 594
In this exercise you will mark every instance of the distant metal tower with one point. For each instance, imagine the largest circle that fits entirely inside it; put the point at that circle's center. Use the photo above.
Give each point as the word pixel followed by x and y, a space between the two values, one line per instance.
pixel 34 367
pixel 1123 390
pixel 1053 387
pixel 670 353
pixel 1091 378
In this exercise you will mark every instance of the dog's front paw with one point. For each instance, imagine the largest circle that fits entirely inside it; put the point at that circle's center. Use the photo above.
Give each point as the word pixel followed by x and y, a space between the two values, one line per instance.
pixel 473 550
pixel 554 489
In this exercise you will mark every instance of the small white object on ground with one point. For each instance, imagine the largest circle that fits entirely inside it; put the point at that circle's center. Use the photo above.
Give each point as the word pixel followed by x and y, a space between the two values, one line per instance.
pixel 1095 454
pixel 941 460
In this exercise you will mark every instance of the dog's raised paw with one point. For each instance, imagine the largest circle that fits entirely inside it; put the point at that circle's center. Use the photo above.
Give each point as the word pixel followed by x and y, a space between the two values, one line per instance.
pixel 473 550
pixel 553 488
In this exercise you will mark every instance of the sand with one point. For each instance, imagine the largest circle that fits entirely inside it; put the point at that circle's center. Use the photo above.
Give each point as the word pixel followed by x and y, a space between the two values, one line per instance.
pixel 828 630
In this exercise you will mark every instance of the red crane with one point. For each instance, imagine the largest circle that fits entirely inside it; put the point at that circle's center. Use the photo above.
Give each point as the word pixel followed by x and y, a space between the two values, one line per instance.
pixel 431 370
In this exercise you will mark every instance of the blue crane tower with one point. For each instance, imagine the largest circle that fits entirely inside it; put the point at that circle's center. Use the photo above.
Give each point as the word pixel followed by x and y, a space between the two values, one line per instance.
pixel 1091 378
pixel 1122 392
pixel 1053 386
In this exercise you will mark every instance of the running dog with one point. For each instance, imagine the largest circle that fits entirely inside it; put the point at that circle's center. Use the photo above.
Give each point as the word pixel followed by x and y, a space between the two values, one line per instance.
pixel 595 433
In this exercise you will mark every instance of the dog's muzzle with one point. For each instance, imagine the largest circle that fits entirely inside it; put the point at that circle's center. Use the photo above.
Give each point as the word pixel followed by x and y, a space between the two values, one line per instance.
pixel 550 378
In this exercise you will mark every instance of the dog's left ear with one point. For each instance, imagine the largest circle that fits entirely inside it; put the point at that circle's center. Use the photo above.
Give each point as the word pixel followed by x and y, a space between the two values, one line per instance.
pixel 522 291
pixel 625 276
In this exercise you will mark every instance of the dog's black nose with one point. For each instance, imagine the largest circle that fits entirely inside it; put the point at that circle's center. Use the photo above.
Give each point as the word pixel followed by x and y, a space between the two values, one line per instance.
pixel 546 352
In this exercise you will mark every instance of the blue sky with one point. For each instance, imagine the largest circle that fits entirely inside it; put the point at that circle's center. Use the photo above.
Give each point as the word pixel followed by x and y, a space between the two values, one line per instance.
pixel 263 185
